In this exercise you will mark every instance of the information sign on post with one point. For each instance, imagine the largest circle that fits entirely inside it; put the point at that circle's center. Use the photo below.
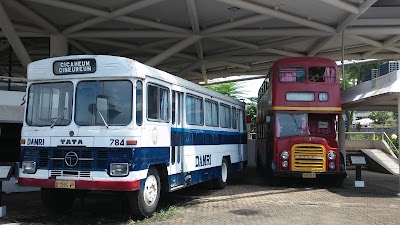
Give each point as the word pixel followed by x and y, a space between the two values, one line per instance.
pixel 358 161
pixel 5 174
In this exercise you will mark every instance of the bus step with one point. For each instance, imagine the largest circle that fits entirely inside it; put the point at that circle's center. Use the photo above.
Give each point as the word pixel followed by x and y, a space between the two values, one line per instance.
pixel 177 187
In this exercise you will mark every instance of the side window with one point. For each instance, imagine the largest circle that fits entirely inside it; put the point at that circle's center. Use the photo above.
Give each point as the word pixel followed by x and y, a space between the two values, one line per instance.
pixel 194 110
pixel 234 119
pixel 292 74
pixel 211 113
pixel 157 103
pixel 139 103
pixel 225 116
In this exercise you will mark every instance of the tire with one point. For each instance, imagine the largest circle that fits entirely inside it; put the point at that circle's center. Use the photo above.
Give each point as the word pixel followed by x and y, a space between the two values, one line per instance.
pixel 144 202
pixel 222 180
pixel 271 178
pixel 57 200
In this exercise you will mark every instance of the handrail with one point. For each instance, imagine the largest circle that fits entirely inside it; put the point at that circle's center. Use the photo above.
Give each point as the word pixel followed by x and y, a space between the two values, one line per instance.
pixel 383 136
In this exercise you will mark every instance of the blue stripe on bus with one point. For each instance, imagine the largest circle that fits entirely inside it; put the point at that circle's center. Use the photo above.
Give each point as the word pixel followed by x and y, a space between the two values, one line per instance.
pixel 184 136
pixel 144 157
pixel 199 176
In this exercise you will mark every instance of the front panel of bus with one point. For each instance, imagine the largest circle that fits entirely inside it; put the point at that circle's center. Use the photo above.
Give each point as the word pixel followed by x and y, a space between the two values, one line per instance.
pixel 81 132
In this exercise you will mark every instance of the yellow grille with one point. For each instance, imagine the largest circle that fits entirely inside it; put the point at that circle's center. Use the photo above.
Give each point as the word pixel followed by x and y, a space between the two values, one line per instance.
pixel 308 158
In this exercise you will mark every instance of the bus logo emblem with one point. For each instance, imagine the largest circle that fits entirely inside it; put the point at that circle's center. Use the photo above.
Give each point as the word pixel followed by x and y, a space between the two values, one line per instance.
pixel 71 159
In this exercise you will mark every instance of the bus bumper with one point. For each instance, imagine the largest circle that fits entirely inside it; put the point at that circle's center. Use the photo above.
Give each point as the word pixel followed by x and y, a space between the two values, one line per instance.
pixel 83 184
pixel 293 174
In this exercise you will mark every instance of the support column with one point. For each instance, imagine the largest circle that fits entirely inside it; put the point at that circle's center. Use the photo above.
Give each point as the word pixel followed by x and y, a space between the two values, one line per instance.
pixel 398 136
pixel 342 137
pixel 58 45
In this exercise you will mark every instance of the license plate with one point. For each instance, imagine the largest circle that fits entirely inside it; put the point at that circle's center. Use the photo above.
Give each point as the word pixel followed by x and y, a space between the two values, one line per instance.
pixel 309 175
pixel 69 184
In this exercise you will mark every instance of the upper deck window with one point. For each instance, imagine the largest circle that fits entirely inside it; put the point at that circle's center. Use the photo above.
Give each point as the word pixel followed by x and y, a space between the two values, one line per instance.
pixel 100 103
pixel 50 104
pixel 322 74
pixel 292 74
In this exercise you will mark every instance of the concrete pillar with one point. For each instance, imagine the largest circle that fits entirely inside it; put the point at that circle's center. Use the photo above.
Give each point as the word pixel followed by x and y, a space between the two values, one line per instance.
pixel 342 137
pixel 398 136
pixel 58 45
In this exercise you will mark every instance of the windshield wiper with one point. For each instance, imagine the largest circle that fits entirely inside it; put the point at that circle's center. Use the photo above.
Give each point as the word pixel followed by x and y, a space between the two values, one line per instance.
pixel 58 117
pixel 101 115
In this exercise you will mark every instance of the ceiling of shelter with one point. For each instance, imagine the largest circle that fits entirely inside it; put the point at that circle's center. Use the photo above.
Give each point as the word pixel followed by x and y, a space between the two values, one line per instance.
pixel 200 39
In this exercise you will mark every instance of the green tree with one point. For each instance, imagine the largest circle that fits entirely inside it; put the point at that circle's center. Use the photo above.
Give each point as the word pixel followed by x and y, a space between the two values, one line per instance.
pixel 251 110
pixel 230 89
pixel 379 117
pixel 353 76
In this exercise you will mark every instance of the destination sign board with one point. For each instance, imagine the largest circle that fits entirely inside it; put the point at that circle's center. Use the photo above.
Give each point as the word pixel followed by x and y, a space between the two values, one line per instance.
pixel 75 66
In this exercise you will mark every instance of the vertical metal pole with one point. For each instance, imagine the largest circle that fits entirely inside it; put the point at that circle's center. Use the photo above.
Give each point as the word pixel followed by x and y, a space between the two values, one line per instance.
pixel 1 189
pixel 342 129
pixel 398 136
pixel 343 76
pixel 9 67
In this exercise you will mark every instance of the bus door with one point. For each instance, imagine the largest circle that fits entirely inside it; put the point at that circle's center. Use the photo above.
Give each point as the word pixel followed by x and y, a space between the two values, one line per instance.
pixel 177 137
pixel 242 129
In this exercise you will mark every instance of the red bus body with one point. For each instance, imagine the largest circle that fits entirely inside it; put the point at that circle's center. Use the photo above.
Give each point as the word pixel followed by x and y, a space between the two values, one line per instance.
pixel 298 105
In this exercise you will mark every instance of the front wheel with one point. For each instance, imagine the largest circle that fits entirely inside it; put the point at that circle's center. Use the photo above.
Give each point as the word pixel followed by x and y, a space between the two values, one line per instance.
pixel 144 201
pixel 222 180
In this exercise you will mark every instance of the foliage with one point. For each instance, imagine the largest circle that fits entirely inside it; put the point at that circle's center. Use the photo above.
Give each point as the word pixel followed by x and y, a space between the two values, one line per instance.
pixel 230 89
pixel 251 109
pixel 353 77
pixel 379 117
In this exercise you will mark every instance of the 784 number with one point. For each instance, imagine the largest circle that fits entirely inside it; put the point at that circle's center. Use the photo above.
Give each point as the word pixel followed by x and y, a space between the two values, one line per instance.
pixel 117 142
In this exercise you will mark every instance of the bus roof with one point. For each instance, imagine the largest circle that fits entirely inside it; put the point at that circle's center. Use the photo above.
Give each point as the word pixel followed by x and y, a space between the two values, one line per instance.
pixel 106 67
pixel 305 61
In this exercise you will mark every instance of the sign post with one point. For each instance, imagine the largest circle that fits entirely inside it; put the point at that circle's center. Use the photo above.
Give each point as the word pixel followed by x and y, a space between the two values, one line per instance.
pixel 5 174
pixel 358 161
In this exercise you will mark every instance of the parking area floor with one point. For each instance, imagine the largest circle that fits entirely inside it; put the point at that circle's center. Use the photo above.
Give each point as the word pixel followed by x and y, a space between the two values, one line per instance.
pixel 246 200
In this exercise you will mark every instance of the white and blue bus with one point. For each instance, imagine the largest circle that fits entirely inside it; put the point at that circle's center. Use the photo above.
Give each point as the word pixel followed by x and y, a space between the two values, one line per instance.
pixel 112 123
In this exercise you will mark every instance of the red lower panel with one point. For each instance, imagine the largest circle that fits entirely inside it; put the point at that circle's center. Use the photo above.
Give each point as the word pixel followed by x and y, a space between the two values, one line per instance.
pixel 84 184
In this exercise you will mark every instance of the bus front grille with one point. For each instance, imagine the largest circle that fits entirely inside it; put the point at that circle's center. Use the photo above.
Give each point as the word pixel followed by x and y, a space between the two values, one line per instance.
pixel 308 158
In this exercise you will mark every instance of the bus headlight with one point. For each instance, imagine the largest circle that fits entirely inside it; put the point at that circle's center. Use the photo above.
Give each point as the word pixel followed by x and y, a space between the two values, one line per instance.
pixel 331 156
pixel 119 169
pixel 29 167
pixel 332 165
pixel 285 155
pixel 285 164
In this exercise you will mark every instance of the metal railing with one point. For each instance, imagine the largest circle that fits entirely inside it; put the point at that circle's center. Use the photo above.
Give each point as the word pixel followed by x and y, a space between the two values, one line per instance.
pixel 373 136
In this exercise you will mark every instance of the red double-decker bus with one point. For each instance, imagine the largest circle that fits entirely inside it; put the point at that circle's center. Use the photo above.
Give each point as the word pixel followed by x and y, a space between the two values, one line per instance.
pixel 298 106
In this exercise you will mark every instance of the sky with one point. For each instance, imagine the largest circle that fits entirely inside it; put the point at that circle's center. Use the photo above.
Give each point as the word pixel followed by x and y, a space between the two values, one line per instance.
pixel 250 87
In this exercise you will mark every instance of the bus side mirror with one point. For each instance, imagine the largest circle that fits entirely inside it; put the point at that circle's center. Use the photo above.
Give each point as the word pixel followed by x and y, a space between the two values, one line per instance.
pixel 267 119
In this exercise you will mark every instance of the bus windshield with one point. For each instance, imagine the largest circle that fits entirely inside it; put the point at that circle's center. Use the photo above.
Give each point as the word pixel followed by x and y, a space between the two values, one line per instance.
pixel 103 103
pixel 288 124
pixel 49 104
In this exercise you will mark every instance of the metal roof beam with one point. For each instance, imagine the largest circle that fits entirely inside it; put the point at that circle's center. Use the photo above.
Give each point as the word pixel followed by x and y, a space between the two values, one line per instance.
pixel 172 50
pixel 352 17
pixel 127 34
pixel 104 14
pixel 233 24
pixel 343 5
pixel 31 15
pixel 80 47
pixel 112 15
pixel 321 44
pixel 270 32
pixel 12 37
pixel 280 15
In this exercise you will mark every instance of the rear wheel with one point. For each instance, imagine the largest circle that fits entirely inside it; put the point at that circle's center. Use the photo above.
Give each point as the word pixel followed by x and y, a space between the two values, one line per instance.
pixel 144 201
pixel 57 200
pixel 222 180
